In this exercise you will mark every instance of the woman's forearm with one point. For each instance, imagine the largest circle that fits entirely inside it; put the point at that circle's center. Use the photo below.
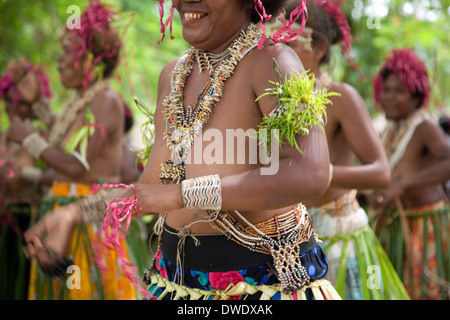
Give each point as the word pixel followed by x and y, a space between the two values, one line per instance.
pixel 367 176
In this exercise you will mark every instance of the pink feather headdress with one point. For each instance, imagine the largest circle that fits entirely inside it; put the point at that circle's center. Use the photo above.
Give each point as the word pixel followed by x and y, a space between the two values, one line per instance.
pixel 97 18
pixel 285 34
pixel 409 69
pixel 332 7
pixel 22 67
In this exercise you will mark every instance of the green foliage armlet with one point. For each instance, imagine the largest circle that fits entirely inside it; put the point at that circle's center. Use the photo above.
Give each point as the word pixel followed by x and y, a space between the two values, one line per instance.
pixel 300 108
pixel 80 139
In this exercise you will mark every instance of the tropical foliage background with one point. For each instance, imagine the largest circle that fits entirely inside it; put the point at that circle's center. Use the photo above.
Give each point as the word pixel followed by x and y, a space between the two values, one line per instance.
pixel 32 28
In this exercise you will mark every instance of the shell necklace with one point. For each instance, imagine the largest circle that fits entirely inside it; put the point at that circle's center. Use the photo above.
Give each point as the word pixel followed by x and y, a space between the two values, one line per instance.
pixel 182 128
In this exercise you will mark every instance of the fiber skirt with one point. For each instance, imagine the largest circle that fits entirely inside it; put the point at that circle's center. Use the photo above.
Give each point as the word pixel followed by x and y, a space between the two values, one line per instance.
pixel 359 267
pixel 426 274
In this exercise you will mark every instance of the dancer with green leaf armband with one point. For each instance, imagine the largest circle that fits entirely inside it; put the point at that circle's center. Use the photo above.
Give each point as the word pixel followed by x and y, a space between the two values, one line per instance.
pixel 225 230
pixel 358 266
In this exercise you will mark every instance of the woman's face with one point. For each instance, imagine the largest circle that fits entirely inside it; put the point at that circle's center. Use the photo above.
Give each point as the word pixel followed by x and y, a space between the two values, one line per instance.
pixel 397 102
pixel 71 76
pixel 211 25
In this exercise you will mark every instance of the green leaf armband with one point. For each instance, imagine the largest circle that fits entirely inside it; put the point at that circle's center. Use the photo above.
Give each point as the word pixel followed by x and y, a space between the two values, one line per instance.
pixel 300 107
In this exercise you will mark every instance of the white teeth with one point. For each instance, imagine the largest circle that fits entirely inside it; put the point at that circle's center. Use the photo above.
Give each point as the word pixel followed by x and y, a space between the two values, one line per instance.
pixel 192 16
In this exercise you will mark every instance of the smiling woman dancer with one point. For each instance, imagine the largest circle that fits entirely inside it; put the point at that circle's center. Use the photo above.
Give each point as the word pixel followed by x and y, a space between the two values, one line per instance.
pixel 226 230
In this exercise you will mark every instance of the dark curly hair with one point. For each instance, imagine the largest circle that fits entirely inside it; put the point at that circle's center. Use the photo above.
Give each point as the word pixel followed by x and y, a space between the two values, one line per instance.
pixel 273 7
pixel 444 122
pixel 322 23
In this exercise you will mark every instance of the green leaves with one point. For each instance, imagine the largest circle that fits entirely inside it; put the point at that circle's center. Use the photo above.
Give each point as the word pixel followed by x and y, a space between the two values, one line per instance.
pixel 300 108
pixel 80 138
pixel 147 131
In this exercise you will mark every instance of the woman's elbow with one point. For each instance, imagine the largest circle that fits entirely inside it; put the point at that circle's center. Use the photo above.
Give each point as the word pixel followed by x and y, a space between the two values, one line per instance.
pixel 313 183
pixel 383 175
pixel 383 179
pixel 322 179
pixel 74 171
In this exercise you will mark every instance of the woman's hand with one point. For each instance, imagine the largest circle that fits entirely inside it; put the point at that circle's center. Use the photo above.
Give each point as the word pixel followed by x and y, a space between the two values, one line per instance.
pixel 48 239
pixel 386 198
pixel 156 198
pixel 151 198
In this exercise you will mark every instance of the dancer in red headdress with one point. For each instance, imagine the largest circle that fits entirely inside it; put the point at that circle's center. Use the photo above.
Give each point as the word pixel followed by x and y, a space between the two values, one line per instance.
pixel 413 219
pixel 84 146
pixel 20 174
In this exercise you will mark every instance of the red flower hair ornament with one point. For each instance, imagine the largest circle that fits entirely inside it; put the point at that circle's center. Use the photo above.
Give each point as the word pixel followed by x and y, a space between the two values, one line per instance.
pixel 95 22
pixel 332 7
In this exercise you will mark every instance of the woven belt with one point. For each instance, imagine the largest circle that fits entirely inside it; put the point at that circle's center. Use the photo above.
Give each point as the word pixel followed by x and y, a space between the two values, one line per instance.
pixel 213 253
pixel 216 253
pixel 345 199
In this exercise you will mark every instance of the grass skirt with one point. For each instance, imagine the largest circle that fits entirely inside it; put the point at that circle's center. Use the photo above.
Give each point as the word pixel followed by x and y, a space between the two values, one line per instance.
pixel 427 273
pixel 359 268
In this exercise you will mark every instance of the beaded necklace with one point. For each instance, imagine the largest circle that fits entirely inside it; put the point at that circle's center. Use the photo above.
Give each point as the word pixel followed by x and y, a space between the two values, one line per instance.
pixel 323 81
pixel 209 61
pixel 69 114
pixel 186 126
pixel 397 136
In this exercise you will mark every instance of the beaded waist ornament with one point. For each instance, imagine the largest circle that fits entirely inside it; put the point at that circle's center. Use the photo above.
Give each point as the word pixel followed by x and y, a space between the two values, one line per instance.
pixel 279 236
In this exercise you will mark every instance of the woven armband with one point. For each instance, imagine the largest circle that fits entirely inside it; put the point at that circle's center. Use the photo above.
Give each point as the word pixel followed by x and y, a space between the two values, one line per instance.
pixel 32 174
pixel 42 111
pixel 93 208
pixel 203 193
pixel 35 144
pixel 82 160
